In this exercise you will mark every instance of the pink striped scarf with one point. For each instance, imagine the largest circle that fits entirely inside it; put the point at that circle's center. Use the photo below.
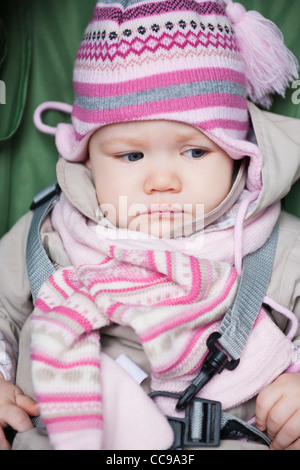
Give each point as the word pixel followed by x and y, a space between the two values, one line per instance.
pixel 173 301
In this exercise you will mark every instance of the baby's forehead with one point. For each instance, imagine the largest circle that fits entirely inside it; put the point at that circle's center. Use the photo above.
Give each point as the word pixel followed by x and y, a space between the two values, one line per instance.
pixel 141 130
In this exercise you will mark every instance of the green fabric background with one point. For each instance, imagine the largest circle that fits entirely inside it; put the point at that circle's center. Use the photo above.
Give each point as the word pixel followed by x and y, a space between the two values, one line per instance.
pixel 38 44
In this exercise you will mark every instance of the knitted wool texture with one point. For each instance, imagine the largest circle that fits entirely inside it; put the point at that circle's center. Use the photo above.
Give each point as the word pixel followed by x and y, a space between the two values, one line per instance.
pixel 175 60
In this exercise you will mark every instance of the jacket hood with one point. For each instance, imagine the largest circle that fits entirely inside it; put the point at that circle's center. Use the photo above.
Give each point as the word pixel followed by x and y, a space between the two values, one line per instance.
pixel 274 165
pixel 278 138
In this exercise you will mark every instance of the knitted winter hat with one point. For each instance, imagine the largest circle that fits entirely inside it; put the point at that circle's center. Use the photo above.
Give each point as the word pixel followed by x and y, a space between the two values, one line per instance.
pixel 174 60
pixel 183 60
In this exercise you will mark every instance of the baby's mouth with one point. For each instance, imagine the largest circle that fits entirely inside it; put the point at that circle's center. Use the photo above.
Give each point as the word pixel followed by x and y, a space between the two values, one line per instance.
pixel 165 210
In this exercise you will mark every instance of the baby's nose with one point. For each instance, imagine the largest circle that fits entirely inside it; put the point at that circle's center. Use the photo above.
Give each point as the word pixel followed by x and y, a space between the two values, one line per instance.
pixel 162 180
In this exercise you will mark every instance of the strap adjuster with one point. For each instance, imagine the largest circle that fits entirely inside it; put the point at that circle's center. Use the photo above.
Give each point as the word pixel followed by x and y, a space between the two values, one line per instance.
pixel 45 195
pixel 201 425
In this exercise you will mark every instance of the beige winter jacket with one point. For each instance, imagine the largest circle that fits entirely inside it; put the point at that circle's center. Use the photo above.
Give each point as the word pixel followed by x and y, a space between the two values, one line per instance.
pixel 279 140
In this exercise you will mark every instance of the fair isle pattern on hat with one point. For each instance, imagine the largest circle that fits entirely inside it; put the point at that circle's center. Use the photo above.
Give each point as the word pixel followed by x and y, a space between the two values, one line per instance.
pixel 146 60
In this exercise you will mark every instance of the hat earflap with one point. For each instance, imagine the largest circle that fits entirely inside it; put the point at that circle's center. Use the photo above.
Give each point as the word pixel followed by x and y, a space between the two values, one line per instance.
pixel 269 64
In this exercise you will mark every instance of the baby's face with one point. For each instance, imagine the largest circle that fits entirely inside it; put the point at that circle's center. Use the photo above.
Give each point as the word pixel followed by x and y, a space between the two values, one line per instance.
pixel 153 176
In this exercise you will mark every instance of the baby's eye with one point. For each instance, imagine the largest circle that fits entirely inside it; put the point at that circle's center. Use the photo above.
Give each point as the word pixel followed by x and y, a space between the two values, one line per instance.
pixel 194 153
pixel 132 157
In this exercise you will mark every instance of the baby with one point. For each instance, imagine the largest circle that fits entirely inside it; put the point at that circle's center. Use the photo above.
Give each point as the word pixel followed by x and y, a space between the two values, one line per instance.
pixel 180 166
pixel 167 185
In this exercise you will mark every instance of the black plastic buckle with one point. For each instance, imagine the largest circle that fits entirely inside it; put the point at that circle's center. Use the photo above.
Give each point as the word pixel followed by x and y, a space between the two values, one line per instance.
pixel 214 363
pixel 201 425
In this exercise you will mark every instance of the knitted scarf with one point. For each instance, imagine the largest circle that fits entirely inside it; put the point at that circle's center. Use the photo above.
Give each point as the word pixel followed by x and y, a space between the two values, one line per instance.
pixel 173 300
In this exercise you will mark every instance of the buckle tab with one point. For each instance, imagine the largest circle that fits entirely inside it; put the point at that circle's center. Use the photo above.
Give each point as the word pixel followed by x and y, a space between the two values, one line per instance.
pixel 214 363
pixel 200 426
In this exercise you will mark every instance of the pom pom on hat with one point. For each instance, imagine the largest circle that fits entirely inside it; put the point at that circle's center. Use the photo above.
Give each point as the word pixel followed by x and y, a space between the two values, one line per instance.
pixel 269 65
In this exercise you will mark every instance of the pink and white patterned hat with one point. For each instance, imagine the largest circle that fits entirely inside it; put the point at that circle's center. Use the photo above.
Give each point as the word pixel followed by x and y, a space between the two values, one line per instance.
pixel 191 61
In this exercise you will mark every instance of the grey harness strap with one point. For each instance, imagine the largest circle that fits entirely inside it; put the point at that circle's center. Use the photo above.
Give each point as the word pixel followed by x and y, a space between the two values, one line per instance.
pixel 232 336
pixel 235 428
pixel 237 324
pixel 231 427
pixel 257 269
pixel 39 266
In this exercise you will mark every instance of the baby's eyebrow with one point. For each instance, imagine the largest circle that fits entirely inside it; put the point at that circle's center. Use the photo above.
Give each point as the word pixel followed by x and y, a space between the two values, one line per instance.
pixel 126 140
pixel 192 135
